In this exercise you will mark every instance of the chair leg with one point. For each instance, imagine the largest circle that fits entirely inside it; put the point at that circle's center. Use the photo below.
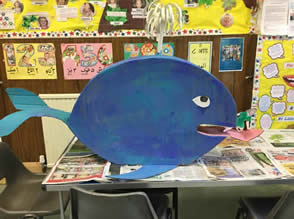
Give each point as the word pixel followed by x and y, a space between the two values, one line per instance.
pixel 241 214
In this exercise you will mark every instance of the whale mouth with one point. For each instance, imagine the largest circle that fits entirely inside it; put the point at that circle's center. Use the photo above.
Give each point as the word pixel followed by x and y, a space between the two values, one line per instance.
pixel 213 130
pixel 289 79
pixel 225 131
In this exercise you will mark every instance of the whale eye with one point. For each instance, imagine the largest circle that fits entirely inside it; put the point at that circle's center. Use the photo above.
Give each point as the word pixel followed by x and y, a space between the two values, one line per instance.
pixel 202 101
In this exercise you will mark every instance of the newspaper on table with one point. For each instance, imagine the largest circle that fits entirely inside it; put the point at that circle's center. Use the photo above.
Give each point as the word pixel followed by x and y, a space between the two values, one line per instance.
pixel 285 159
pixel 220 168
pixel 181 173
pixel 78 165
pixel 253 163
pixel 279 138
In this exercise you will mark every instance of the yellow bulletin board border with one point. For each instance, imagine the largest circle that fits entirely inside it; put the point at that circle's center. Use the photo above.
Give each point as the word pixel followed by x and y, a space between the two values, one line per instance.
pixel 202 42
pixel 258 70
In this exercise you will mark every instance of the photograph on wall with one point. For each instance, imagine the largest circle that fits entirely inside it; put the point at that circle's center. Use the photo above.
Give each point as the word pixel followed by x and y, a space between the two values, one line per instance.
pixel 18 6
pixel 36 21
pixel 138 9
pixel 85 60
pixel 132 50
pixel 231 54
pixel 30 61
pixel 199 53
pixel 191 3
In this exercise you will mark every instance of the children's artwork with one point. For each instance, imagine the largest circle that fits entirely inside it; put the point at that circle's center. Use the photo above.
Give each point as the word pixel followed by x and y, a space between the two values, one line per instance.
pixel 119 14
pixel 231 54
pixel 273 93
pixel 6 19
pixel 85 60
pixel 200 54
pixel 72 18
pixel 132 50
pixel 38 21
pixel 30 61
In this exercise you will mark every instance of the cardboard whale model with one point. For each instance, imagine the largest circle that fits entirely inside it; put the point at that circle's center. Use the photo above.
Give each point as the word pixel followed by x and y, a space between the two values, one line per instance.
pixel 154 111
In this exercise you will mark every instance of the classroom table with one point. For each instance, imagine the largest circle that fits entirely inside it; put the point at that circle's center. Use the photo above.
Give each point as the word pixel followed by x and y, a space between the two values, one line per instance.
pixel 168 186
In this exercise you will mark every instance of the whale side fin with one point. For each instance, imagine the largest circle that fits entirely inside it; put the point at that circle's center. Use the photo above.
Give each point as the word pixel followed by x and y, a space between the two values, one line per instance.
pixel 30 105
pixel 145 171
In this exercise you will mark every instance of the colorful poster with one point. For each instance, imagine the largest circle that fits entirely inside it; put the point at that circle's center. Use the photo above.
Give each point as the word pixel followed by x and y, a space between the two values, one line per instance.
pixel 200 53
pixel 231 54
pixel 85 60
pixel 132 50
pixel 273 94
pixel 30 61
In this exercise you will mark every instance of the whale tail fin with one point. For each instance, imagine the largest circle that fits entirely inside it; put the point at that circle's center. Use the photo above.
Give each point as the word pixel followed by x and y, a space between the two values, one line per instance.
pixel 30 105
pixel 145 171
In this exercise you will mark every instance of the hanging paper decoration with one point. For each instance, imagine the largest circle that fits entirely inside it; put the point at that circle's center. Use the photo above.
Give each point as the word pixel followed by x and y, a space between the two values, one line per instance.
pixel 161 19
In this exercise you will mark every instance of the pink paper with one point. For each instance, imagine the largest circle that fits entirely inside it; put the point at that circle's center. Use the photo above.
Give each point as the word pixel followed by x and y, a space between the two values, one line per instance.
pixel 245 135
pixel 85 60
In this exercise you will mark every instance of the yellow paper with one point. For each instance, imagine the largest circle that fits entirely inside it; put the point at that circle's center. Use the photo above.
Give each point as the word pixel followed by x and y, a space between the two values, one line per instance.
pixel 200 54
pixel 30 61
pixel 200 18
pixel 275 107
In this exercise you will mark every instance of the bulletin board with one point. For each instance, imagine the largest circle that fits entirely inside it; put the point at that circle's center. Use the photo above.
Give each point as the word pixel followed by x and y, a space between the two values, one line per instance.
pixel 74 18
pixel 273 93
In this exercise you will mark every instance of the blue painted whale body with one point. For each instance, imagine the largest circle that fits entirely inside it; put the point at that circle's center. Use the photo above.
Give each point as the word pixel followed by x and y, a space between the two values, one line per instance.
pixel 146 111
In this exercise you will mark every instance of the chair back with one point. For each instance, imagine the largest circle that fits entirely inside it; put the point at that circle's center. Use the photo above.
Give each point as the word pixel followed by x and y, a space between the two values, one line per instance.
pixel 284 209
pixel 92 205
pixel 10 167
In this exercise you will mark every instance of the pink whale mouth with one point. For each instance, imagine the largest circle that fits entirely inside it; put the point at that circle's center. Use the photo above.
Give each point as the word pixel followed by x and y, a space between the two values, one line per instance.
pixel 223 131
